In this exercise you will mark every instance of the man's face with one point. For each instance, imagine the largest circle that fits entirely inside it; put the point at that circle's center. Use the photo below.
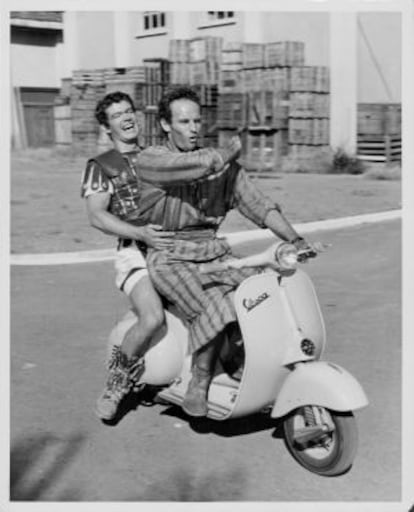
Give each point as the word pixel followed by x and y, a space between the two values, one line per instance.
pixel 122 121
pixel 183 130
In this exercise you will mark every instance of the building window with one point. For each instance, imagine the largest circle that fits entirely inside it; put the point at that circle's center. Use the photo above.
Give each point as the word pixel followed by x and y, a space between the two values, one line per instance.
pixel 216 18
pixel 219 15
pixel 152 23
pixel 154 20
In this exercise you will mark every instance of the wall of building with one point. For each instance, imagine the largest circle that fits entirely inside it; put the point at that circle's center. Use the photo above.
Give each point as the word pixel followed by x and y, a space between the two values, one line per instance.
pixel 95 40
pixel 179 25
pixel 147 47
pixel 310 27
pixel 33 58
pixel 379 57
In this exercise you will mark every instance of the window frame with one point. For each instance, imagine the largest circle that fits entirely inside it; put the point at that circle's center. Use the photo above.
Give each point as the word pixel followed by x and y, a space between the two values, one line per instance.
pixel 151 30
pixel 206 22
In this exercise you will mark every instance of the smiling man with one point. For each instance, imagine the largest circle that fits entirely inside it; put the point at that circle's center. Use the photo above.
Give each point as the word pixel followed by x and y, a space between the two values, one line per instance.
pixel 114 193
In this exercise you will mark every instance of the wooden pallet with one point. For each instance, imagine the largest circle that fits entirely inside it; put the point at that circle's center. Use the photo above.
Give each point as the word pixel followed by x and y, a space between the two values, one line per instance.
pixel 379 148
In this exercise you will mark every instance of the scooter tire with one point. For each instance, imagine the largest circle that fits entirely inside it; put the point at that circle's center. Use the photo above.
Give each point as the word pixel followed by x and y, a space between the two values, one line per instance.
pixel 331 455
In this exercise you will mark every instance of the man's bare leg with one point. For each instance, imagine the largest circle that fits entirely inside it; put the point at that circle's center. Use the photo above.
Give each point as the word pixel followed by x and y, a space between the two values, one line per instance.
pixel 126 363
pixel 148 308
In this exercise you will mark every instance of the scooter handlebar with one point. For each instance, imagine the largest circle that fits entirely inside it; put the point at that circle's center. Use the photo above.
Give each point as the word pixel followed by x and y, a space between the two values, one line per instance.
pixel 265 258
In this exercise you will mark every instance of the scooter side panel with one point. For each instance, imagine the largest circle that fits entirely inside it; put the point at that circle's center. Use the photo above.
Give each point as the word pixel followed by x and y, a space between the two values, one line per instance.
pixel 305 307
pixel 266 330
pixel 319 383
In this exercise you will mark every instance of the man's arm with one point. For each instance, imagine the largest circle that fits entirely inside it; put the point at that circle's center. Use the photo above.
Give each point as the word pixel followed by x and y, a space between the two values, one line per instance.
pixel 280 226
pixel 100 218
pixel 260 209
pixel 161 166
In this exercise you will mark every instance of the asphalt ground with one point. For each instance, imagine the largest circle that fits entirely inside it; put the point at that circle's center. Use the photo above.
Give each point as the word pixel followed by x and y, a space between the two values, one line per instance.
pixel 60 318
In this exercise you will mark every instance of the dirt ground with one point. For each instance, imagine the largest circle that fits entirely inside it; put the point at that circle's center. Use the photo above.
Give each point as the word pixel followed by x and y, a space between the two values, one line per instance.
pixel 48 215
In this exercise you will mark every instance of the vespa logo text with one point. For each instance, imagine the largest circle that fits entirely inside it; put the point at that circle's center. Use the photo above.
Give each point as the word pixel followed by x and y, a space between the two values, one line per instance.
pixel 250 304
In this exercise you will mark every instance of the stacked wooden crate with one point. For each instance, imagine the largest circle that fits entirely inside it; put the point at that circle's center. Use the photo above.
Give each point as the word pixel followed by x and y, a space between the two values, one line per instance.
pixel 266 85
pixel 379 132
pixel 204 75
pixel 208 95
pixel 130 80
pixel 195 61
pixel 281 104
pixel 179 58
pixel 309 102
pixel 232 109
pixel 157 78
pixel 205 60
pixel 144 84
pixel 87 88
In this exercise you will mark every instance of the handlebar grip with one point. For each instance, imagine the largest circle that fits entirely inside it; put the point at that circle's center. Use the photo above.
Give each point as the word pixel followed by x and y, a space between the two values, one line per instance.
pixel 306 254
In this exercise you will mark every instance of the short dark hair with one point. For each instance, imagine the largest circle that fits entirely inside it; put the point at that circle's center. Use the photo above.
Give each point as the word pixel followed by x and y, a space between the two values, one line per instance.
pixel 107 101
pixel 177 92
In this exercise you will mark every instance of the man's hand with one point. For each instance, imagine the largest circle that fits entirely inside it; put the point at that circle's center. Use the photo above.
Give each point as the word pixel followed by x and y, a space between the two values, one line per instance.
pixel 153 236
pixel 312 249
pixel 231 150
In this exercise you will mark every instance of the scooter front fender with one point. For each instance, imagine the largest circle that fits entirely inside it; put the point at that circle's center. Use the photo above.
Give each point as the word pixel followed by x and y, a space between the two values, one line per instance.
pixel 319 383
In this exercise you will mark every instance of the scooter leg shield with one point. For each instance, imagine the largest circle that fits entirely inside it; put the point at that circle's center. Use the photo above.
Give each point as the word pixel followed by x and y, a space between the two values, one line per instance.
pixel 319 383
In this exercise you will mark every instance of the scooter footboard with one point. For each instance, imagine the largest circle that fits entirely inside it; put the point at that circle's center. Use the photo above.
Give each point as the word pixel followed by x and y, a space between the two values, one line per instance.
pixel 319 383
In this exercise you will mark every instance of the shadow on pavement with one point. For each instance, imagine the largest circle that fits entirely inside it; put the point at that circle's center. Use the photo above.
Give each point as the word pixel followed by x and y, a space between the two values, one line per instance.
pixel 147 397
pixel 38 463
pixel 227 428
pixel 186 486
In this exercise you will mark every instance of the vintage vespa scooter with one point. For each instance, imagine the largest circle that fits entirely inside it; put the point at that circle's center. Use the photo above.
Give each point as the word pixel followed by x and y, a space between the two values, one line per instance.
pixel 283 337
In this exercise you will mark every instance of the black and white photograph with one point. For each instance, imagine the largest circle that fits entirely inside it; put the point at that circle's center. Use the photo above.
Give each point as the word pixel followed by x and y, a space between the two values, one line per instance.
pixel 205 254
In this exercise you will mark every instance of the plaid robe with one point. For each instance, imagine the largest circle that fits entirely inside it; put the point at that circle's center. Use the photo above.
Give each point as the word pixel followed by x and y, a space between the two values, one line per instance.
pixel 192 210
pixel 205 300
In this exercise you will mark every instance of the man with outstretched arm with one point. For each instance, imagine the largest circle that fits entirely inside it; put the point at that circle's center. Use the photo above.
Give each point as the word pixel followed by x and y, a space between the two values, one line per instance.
pixel 194 212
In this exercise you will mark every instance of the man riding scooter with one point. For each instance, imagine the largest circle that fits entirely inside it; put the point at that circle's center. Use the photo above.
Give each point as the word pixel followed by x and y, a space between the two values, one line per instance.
pixel 194 212
pixel 112 188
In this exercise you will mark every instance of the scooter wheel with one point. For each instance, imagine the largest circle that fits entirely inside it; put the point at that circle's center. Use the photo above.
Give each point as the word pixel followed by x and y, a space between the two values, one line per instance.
pixel 322 441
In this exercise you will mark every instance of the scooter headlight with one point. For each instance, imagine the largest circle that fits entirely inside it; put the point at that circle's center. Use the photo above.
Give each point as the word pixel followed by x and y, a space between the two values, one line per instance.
pixel 286 255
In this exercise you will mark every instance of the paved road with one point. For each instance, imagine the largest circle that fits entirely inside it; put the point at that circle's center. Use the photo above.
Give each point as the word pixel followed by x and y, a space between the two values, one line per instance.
pixel 59 320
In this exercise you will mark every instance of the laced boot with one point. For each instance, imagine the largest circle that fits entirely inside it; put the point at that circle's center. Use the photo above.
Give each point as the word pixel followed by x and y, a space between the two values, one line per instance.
pixel 195 400
pixel 123 374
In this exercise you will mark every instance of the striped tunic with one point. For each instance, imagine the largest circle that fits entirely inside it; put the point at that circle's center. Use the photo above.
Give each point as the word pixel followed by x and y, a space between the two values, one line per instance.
pixel 121 179
pixel 194 211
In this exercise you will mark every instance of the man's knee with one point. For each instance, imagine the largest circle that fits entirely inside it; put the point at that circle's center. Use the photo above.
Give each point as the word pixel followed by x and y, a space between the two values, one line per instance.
pixel 148 305
pixel 153 320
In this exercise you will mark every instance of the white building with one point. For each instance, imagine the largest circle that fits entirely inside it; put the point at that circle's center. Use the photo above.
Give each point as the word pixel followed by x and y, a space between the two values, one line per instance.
pixel 363 51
